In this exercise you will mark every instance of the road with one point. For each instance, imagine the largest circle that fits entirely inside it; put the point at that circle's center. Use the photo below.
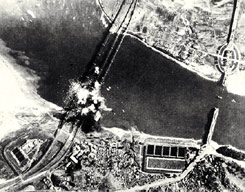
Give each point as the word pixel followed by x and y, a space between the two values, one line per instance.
pixel 49 161
pixel 104 58
pixel 205 149
pixel 66 133
pixel 234 20
pixel 18 95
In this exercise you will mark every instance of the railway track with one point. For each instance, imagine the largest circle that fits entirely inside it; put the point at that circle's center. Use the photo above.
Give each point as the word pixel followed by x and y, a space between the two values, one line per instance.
pixel 110 46
pixel 63 139
pixel 50 160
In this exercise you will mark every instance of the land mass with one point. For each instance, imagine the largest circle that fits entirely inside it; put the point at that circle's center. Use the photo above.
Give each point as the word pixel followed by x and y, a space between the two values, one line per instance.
pixel 189 32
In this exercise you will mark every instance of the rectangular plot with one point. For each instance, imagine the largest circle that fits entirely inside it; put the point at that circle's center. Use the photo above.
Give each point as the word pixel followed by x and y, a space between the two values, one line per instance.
pixel 158 150
pixel 174 151
pixel 181 152
pixel 150 149
pixel 18 154
pixel 166 151
pixel 165 164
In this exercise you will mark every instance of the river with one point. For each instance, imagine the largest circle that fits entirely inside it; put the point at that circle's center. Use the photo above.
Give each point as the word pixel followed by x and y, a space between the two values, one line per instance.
pixel 146 90
pixel 159 97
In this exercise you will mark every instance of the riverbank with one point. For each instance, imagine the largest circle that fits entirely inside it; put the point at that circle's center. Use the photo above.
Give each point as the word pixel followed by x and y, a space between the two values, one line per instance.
pixel 156 32
pixel 206 72
pixel 144 89
pixel 20 105
pixel 142 137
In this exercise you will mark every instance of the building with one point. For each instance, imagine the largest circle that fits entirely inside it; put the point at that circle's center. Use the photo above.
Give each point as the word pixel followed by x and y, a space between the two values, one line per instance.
pixel 21 153
pixel 167 155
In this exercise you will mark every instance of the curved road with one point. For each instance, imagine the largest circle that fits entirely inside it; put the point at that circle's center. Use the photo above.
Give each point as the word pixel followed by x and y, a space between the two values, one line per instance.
pixel 53 155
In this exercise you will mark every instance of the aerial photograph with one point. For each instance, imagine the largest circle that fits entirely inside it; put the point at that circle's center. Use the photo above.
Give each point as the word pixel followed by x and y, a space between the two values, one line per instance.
pixel 122 95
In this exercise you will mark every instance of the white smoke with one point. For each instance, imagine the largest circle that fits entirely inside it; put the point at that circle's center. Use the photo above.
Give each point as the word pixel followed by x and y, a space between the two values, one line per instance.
pixel 89 99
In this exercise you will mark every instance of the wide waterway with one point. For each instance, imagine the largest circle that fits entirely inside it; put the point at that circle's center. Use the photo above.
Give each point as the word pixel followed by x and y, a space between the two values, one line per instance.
pixel 148 91
pixel 159 97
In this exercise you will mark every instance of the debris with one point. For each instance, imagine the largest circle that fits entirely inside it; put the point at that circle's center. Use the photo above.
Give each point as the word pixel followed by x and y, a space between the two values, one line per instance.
pixel 88 101
pixel 97 70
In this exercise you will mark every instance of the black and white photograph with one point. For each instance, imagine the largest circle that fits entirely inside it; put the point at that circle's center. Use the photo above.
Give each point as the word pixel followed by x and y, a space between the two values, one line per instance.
pixel 122 95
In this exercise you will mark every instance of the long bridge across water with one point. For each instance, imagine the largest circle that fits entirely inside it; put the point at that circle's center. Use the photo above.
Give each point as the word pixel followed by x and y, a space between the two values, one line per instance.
pixel 96 72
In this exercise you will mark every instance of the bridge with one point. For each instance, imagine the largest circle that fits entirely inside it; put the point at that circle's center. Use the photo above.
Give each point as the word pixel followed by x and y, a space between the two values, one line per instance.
pixel 96 71
pixel 229 54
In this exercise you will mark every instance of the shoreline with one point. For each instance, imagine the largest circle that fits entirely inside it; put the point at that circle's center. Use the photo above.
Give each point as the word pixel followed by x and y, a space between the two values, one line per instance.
pixel 133 35
pixel 205 72
pixel 21 105
pixel 121 132
pixel 143 136
pixel 183 65
pixel 204 151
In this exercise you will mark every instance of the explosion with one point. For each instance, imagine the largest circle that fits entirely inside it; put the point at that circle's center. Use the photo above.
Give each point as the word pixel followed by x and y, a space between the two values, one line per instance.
pixel 87 103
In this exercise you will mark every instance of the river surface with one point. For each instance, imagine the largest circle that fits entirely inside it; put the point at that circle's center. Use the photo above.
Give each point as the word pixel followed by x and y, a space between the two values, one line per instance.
pixel 160 97
pixel 146 90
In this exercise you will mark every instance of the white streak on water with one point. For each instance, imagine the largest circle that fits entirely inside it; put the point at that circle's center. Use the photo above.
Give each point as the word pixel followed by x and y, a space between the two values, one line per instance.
pixel 18 95
pixel 31 14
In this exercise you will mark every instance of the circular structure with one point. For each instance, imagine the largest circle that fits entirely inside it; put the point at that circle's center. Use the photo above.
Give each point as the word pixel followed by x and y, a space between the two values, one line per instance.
pixel 229 56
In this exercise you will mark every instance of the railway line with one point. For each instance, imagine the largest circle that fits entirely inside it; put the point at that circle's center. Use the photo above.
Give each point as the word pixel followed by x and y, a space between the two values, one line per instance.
pixel 66 132
pixel 99 67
